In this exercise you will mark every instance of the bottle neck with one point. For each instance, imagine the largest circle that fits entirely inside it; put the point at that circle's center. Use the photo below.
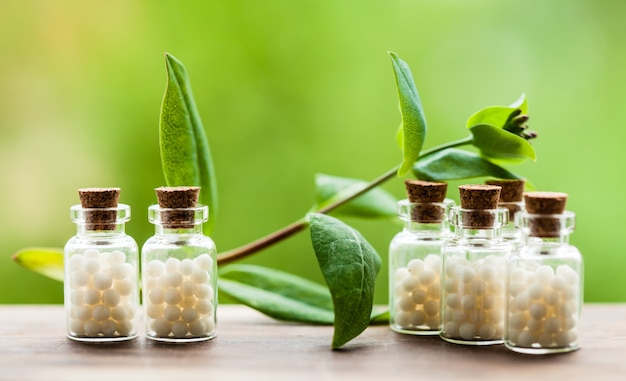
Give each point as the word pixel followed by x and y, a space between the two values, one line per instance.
pixel 549 229
pixel 469 233
pixel 161 229
pixel 479 224
pixel 429 218
pixel 93 231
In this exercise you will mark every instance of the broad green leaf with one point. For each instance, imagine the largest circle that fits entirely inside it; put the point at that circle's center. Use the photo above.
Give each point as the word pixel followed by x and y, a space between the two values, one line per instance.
pixel 494 142
pixel 350 265
pixel 43 260
pixel 376 203
pixel 277 294
pixel 497 115
pixel 413 119
pixel 455 164
pixel 185 153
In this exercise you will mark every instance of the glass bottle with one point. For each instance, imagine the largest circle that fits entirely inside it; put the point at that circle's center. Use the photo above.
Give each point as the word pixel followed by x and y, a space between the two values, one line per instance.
pixel 474 269
pixel 179 270
pixel 101 268
pixel 545 281
pixel 415 259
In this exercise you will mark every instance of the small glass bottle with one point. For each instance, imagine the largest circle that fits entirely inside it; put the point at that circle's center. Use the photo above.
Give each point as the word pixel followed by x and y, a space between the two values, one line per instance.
pixel 545 281
pixel 511 198
pixel 415 259
pixel 474 269
pixel 179 269
pixel 101 268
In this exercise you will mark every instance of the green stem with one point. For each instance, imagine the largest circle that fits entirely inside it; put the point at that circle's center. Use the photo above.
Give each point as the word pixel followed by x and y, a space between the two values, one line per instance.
pixel 297 226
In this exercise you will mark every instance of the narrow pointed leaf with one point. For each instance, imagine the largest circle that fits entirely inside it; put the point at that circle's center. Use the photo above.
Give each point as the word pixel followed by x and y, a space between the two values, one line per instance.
pixel 455 164
pixel 277 294
pixel 413 119
pixel 376 203
pixel 42 260
pixel 185 153
pixel 494 142
pixel 350 265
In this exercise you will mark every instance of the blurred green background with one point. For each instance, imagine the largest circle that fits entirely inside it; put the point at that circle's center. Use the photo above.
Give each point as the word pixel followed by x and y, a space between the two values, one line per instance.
pixel 287 89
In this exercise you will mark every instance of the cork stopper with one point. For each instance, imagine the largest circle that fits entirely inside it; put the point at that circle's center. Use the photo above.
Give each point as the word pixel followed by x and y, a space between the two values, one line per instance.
pixel 545 203
pixel 99 198
pixel 511 196
pixel 173 198
pixel 512 190
pixel 427 197
pixel 481 200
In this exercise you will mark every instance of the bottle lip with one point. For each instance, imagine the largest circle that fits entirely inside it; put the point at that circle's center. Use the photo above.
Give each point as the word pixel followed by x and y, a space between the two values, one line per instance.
pixel 479 218
pixel 78 214
pixel 196 215
pixel 405 210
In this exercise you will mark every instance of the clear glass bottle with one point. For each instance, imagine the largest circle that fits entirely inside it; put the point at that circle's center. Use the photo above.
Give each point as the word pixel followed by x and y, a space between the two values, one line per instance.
pixel 545 282
pixel 179 272
pixel 415 267
pixel 101 271
pixel 474 273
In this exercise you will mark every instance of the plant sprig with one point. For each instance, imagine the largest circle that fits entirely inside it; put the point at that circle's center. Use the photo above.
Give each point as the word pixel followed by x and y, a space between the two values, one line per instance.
pixel 347 261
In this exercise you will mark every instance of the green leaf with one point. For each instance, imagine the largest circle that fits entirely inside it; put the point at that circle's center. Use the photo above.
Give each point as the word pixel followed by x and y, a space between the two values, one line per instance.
pixel 277 294
pixel 497 115
pixel 376 203
pixel 185 153
pixel 43 260
pixel 494 142
pixel 350 265
pixel 455 164
pixel 413 119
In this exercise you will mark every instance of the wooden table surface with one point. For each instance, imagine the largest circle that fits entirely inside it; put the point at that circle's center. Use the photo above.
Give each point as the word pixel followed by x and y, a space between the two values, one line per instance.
pixel 253 347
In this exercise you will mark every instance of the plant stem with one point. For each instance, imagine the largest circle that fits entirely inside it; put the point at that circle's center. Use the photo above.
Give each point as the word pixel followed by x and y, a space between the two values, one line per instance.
pixel 297 226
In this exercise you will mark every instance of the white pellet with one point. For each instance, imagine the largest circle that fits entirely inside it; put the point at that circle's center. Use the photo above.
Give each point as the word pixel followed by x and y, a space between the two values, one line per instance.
pixel 402 318
pixel 79 279
pixel 538 311
pixel 563 338
pixel 197 328
pixel 526 339
pixel 204 262
pixel 559 283
pixel 110 298
pixel 174 279
pixel 433 262
pixel 108 328
pixel 118 271
pixel 518 320
pixel 487 331
pixel 552 325
pixel 117 257
pixel 417 317
pixel 83 313
pixel 155 268
pixel 77 326
pixel 434 291
pixel 172 296
pixel 419 296
pixel 431 307
pixel 102 281
pixel 156 296
pixel 468 302
pixel 154 311
pixel 200 276
pixel 124 327
pixel 488 272
pixel 92 296
pixel 119 313
pixel 204 307
pixel 544 274
pixel 405 303
pixel 101 312
pixel 451 285
pixel 188 301
pixel 467 274
pixel 123 287
pixel 467 331
pixel 92 328
pixel 172 265
pixel 76 262
pixel 415 266
pixel 179 329
pixel 188 288
pixel 453 300
pixel 401 273
pixel 535 291
pixel 161 327
pixel 433 322
pixel 409 283
pixel 203 291
pixel 478 287
pixel 451 329
pixel 91 266
pixel 171 313
pixel 546 339
pixel 189 315
pixel 186 266
pixel 521 301
pixel 426 277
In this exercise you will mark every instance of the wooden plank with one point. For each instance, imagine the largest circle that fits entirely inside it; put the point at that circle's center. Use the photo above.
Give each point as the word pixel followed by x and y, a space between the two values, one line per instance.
pixel 251 346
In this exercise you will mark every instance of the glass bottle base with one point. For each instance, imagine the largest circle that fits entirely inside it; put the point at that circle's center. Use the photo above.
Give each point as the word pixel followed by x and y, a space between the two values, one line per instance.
pixel 478 342
pixel 181 340
pixel 541 350
pixel 115 339
pixel 415 331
